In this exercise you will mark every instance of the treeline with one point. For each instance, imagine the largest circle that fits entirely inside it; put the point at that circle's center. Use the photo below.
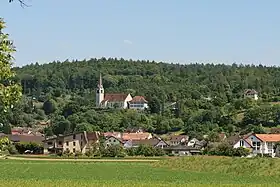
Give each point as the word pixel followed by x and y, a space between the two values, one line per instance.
pixel 209 98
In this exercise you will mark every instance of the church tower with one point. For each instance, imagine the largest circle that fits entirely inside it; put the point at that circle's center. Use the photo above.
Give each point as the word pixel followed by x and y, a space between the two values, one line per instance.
pixel 99 92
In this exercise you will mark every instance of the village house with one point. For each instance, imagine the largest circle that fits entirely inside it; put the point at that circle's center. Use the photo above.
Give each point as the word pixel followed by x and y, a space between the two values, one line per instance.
pixel 76 142
pixel 138 103
pixel 178 139
pixel 192 142
pixel 152 142
pixel 259 143
pixel 112 140
pixel 25 131
pixel 251 93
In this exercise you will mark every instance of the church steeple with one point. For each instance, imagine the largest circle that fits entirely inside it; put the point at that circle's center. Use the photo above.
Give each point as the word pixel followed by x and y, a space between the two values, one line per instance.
pixel 99 92
pixel 100 81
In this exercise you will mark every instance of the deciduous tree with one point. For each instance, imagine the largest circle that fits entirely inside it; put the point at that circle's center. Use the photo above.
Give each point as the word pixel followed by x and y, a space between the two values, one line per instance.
pixel 10 91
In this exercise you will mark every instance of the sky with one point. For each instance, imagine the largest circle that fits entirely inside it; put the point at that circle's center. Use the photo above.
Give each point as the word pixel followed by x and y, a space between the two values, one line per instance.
pixel 178 31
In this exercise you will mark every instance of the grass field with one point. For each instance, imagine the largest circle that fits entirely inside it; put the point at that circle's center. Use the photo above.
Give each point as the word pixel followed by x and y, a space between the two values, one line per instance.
pixel 126 174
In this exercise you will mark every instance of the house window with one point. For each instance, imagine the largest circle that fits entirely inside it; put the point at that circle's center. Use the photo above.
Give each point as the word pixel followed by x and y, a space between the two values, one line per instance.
pixel 59 143
pixel 114 140
pixel 81 143
pixel 256 145
pixel 81 136
pixel 269 145
pixel 67 143
pixel 50 143
pixel 74 143
pixel 74 136
pixel 241 143
pixel 74 150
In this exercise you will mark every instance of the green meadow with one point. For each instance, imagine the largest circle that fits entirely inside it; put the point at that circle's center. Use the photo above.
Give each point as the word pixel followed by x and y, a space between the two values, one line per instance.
pixel 190 171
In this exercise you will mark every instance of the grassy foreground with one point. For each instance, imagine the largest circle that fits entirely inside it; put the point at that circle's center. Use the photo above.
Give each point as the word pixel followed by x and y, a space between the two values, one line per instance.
pixel 126 174
pixel 226 165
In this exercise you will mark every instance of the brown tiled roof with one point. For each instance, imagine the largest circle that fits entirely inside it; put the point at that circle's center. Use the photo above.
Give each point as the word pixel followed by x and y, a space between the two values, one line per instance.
pixel 92 136
pixel 152 142
pixel 26 138
pixel 135 136
pixel 233 139
pixel 138 99
pixel 114 97
pixel 178 137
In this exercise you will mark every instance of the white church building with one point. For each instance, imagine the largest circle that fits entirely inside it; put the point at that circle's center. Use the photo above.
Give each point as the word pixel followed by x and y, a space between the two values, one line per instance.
pixel 116 100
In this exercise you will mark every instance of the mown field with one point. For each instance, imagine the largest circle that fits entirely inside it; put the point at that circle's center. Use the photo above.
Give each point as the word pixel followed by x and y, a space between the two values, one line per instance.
pixel 170 172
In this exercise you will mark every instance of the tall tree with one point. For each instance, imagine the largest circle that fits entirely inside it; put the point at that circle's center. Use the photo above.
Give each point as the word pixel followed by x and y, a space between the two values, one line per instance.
pixel 10 91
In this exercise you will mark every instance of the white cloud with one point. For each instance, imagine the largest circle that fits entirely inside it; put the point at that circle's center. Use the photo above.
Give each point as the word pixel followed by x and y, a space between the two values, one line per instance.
pixel 127 42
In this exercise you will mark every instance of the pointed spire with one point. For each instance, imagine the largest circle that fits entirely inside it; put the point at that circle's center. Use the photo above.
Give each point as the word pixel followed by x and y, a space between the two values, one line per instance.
pixel 100 81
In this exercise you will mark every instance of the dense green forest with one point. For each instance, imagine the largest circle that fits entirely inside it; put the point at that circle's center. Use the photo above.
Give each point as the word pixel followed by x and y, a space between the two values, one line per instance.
pixel 209 98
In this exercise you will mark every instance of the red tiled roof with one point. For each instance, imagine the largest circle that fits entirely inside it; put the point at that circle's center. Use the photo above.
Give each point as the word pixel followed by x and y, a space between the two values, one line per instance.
pixel 268 137
pixel 135 136
pixel 138 99
pixel 114 97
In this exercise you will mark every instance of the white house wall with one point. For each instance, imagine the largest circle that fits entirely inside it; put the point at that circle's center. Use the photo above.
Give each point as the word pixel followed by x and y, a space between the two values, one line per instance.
pixel 246 145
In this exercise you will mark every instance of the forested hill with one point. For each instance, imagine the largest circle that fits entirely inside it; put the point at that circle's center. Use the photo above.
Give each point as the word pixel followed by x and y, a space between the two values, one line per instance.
pixel 167 81
pixel 209 97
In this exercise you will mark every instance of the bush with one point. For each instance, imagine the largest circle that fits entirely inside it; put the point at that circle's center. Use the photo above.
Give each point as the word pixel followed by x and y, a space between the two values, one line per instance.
pixel 35 148
pixel 145 150
pixel 78 154
pixel 114 151
pixel 224 149
pixel 12 150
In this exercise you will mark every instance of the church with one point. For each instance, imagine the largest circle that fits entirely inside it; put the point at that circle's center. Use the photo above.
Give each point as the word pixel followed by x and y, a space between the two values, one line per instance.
pixel 118 100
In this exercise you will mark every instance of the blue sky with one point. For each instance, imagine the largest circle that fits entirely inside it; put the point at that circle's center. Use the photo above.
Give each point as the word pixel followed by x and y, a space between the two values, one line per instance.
pixel 181 31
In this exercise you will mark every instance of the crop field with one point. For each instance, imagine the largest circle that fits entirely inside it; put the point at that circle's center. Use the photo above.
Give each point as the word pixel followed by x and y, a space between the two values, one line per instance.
pixel 169 173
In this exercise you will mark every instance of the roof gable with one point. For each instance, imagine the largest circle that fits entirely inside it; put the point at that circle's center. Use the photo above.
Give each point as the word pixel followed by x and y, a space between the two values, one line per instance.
pixel 138 99
pixel 115 138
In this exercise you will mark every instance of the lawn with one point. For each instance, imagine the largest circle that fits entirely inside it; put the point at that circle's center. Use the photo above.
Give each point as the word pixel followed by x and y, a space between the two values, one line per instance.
pixel 121 174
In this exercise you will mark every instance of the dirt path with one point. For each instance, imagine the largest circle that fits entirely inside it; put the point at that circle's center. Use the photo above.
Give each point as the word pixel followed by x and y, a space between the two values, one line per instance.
pixel 83 160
